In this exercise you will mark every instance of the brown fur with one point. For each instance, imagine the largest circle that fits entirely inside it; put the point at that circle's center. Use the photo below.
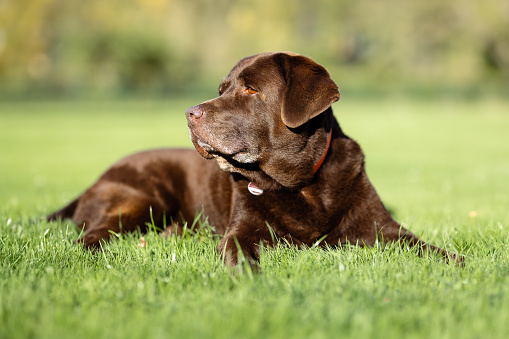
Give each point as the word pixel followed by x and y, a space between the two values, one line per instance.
pixel 269 126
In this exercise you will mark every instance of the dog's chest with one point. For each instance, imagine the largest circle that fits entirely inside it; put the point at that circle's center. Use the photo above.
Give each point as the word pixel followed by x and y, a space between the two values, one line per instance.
pixel 299 214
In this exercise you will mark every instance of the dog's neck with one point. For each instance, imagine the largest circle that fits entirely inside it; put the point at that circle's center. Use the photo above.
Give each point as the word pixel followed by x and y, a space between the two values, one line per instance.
pixel 255 190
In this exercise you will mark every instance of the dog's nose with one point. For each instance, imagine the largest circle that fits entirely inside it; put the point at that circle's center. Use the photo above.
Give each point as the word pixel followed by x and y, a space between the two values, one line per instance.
pixel 195 112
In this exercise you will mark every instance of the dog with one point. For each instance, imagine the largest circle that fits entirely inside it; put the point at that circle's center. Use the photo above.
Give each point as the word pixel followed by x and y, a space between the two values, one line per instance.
pixel 283 169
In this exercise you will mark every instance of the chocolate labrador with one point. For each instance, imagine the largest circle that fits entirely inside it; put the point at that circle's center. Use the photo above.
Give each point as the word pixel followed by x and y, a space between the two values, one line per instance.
pixel 283 169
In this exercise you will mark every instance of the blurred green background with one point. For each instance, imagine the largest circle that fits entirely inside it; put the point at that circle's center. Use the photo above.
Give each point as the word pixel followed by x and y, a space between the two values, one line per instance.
pixel 83 83
pixel 164 48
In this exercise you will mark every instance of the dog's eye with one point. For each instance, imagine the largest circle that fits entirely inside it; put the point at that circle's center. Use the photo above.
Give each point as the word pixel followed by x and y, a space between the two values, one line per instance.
pixel 250 90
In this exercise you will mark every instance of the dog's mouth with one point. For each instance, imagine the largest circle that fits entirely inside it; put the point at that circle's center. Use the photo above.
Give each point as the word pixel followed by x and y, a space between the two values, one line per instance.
pixel 238 153
pixel 204 149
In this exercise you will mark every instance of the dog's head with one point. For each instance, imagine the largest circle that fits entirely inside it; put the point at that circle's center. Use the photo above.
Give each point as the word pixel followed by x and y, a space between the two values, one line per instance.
pixel 265 122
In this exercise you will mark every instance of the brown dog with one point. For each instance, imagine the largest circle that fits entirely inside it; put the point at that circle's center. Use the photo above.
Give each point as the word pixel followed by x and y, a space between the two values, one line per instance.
pixel 281 160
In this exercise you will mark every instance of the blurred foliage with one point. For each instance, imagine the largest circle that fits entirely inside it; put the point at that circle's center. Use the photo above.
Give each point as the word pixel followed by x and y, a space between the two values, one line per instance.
pixel 96 47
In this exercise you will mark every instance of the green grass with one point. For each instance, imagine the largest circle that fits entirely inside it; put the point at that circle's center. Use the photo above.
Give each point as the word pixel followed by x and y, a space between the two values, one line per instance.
pixel 441 167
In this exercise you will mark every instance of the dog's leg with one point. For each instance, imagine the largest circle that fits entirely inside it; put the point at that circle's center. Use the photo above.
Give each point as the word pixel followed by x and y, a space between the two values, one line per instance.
pixel 234 245
pixel 120 219
pixel 115 208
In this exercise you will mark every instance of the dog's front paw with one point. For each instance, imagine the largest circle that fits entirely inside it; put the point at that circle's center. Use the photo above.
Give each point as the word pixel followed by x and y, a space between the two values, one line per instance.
pixel 235 251
pixel 456 259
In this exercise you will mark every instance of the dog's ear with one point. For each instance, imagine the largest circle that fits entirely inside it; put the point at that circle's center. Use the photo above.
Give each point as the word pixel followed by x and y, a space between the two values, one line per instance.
pixel 309 89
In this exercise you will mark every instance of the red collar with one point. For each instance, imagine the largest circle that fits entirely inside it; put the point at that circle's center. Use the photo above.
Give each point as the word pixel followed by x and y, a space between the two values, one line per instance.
pixel 320 162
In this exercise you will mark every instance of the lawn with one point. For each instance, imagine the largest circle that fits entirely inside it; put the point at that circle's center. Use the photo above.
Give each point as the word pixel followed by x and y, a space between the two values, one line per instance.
pixel 442 167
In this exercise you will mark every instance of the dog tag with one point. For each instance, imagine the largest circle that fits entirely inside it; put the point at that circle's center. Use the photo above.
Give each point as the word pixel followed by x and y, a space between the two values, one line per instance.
pixel 253 189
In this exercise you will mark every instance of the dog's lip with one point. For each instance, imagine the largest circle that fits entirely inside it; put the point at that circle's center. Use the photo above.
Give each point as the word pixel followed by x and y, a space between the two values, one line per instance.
pixel 245 157
pixel 242 155
pixel 198 142
pixel 204 144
